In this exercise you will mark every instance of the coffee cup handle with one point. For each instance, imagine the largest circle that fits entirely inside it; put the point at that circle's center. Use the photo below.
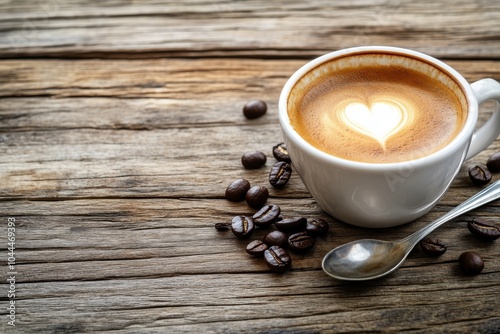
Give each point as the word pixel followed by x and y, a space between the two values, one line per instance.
pixel 486 89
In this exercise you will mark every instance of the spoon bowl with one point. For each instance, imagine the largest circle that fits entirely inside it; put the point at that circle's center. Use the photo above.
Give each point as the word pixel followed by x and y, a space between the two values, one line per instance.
pixel 367 259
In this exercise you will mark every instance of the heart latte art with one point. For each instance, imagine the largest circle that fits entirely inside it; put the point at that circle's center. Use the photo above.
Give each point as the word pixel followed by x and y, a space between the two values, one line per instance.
pixel 378 113
pixel 379 120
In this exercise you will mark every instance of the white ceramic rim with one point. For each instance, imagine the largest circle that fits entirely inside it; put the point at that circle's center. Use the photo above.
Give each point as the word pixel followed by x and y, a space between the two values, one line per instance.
pixel 464 135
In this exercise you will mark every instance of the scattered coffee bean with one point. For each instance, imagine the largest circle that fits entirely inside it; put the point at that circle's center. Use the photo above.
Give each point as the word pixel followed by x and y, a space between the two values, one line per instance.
pixel 291 225
pixel 471 263
pixel 277 259
pixel 254 109
pixel 253 160
pixel 280 174
pixel 479 175
pixel 317 227
pixel 256 248
pixel 257 196
pixel 432 246
pixel 493 163
pixel 280 153
pixel 222 226
pixel 272 246
pixel 267 215
pixel 242 226
pixel 483 229
pixel 237 190
pixel 301 242
pixel 276 238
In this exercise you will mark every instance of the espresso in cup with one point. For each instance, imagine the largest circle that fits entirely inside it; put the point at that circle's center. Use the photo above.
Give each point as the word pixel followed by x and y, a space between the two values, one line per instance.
pixel 377 108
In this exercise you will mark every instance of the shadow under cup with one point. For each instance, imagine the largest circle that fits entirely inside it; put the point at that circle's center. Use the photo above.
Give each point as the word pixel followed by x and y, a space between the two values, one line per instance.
pixel 366 193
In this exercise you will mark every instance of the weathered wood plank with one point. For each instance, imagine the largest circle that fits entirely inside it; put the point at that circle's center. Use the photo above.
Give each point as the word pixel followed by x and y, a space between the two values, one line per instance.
pixel 176 145
pixel 251 28
pixel 172 78
pixel 220 304
pixel 189 84
pixel 159 274
pixel 95 169
pixel 78 239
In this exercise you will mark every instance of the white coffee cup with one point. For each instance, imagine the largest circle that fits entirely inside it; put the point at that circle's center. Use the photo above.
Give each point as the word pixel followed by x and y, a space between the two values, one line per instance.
pixel 377 195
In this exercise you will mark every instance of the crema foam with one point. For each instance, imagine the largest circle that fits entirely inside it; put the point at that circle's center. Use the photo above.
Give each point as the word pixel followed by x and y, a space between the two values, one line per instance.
pixel 377 108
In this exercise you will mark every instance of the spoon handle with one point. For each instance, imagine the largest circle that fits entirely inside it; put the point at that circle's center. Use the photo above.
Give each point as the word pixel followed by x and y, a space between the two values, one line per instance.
pixel 486 195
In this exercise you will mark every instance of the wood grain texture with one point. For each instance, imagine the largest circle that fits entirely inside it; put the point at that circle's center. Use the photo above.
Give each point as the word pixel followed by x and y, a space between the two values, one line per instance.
pixel 116 187
pixel 115 169
pixel 85 132
pixel 253 28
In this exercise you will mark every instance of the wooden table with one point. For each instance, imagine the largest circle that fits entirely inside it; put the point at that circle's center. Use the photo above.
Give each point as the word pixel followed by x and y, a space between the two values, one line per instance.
pixel 122 125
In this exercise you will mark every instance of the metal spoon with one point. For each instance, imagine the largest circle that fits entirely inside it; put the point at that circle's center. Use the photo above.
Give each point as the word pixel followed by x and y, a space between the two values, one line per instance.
pixel 367 259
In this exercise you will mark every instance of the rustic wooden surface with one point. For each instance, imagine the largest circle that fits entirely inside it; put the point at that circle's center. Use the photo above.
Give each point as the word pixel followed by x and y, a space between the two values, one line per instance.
pixel 121 126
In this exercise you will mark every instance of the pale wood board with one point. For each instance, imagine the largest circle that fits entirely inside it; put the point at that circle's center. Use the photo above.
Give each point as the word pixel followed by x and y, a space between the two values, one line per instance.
pixel 253 28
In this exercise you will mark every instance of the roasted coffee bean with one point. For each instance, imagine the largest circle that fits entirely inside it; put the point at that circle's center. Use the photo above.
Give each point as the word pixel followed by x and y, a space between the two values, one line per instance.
pixel 471 263
pixel 280 153
pixel 237 190
pixel 432 246
pixel 253 160
pixel 256 248
pixel 257 196
pixel 222 226
pixel 493 163
pixel 317 227
pixel 242 226
pixel 291 225
pixel 254 109
pixel 479 175
pixel 483 229
pixel 276 238
pixel 277 259
pixel 301 242
pixel 280 174
pixel 267 215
